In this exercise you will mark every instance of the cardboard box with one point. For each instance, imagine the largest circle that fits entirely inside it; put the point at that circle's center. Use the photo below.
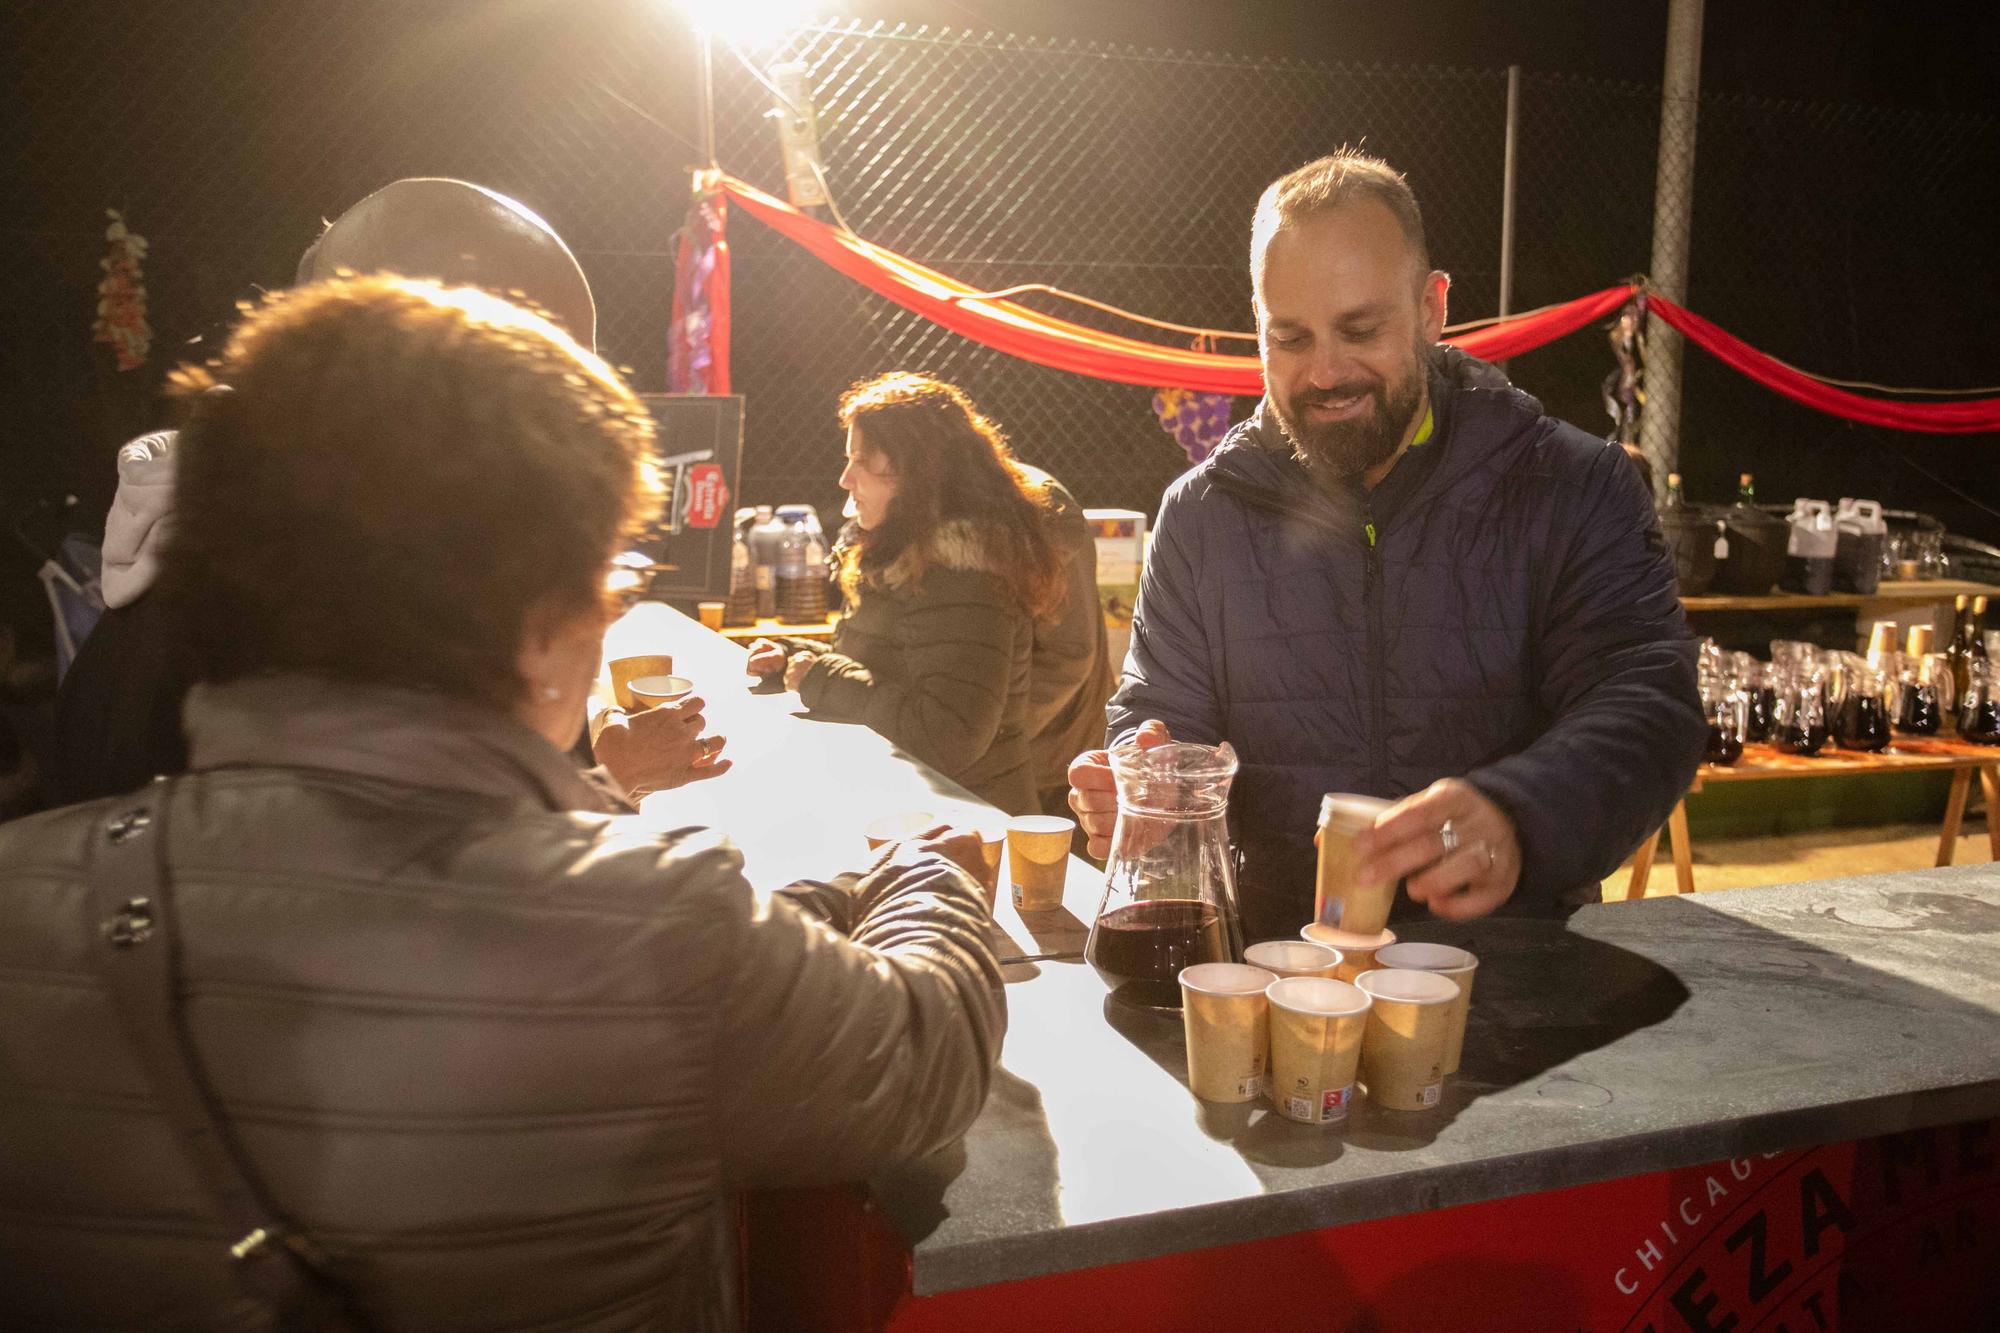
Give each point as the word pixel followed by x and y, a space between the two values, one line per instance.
pixel 1121 554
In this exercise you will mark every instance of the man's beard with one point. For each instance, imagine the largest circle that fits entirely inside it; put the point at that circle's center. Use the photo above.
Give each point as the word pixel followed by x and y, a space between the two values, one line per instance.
pixel 1350 448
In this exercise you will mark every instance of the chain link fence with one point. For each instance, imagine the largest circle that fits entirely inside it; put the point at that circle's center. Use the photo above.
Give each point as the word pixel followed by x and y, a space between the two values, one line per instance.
pixel 1849 240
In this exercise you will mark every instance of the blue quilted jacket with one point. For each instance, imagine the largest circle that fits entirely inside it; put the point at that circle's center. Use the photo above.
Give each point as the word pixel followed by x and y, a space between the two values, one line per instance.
pixel 1514 623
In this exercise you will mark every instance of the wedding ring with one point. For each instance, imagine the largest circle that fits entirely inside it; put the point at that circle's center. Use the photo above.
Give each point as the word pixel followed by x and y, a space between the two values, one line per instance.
pixel 708 746
pixel 1448 836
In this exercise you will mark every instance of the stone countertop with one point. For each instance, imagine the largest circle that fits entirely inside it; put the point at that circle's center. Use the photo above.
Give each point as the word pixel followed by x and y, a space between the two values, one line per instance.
pixel 1636 1037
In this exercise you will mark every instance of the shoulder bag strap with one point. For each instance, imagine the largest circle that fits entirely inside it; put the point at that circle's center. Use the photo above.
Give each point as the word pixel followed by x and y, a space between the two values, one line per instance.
pixel 138 956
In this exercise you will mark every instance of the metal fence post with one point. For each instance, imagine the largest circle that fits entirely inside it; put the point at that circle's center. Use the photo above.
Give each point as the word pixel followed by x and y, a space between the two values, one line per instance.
pixel 1673 211
pixel 1507 181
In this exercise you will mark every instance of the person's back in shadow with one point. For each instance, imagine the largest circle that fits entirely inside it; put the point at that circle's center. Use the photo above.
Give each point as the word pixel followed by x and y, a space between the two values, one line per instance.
pixel 118 715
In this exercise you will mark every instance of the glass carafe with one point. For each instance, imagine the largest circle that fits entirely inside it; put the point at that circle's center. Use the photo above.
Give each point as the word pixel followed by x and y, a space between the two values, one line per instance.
pixel 1923 696
pixel 1801 711
pixel 1170 884
pixel 1979 710
pixel 1728 708
pixel 1861 718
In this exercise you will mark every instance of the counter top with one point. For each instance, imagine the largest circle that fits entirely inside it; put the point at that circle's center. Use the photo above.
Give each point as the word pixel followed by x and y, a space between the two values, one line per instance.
pixel 802 788
pixel 1636 1037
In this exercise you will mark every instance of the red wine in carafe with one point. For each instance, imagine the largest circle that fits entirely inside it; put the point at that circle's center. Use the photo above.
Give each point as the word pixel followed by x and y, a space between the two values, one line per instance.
pixel 1140 949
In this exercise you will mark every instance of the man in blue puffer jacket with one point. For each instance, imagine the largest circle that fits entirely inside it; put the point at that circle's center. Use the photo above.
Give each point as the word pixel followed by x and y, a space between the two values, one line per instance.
pixel 1401 578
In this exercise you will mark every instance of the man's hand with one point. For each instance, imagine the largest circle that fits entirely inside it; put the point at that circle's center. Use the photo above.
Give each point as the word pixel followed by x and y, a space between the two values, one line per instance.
pixel 659 748
pixel 1409 840
pixel 1093 792
pixel 795 669
pixel 766 658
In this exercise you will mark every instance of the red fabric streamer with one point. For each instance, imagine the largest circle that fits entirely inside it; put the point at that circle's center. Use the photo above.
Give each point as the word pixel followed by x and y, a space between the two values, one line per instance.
pixel 1978 414
pixel 1019 331
pixel 698 327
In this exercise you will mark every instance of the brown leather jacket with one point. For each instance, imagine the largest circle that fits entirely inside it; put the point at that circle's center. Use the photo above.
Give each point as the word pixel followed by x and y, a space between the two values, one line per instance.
pixel 500 1053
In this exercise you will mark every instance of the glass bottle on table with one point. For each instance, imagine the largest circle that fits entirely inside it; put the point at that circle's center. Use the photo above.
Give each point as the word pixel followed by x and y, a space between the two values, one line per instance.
pixel 1959 651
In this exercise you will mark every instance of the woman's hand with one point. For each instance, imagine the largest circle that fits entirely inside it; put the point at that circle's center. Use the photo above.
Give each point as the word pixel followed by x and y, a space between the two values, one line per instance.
pixel 766 658
pixel 795 670
pixel 659 748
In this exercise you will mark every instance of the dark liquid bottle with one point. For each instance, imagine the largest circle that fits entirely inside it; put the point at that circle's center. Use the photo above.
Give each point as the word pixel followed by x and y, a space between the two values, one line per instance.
pixel 1723 748
pixel 1917 711
pixel 1980 722
pixel 1140 949
pixel 1865 725
pixel 1797 738
pixel 1763 707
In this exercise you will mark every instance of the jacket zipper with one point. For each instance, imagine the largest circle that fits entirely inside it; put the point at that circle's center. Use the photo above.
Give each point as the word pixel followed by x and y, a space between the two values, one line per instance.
pixel 1371 598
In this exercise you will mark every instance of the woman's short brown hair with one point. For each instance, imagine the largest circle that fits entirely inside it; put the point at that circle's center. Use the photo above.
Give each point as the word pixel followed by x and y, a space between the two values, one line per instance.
pixel 951 462
pixel 380 477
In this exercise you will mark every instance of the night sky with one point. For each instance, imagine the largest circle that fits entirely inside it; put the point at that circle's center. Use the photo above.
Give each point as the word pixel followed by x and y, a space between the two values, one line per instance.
pixel 1919 54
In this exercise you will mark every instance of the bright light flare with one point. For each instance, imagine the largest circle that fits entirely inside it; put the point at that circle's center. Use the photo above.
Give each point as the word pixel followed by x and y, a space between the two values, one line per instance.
pixel 750 22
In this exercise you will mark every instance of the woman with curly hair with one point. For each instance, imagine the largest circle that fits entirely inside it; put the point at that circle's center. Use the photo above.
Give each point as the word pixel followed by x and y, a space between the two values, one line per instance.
pixel 946 569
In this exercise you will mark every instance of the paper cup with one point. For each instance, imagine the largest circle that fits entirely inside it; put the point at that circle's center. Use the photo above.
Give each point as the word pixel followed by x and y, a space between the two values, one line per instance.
pixel 1402 1052
pixel 1228 1030
pixel 1294 958
pixel 1038 860
pixel 1446 961
pixel 1357 952
pixel 1317 1025
pixel 711 613
pixel 1339 900
pixel 895 828
pixel 652 691
pixel 625 669
pixel 992 841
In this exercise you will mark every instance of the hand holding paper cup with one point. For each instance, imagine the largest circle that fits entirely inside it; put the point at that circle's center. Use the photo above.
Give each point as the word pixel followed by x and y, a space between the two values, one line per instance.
pixel 1228 1029
pixel 1446 961
pixel 626 669
pixel 1402 1051
pixel 1340 900
pixel 897 827
pixel 652 691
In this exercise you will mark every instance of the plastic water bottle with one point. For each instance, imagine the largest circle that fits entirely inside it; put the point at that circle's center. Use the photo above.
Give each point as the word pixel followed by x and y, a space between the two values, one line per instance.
pixel 741 608
pixel 763 542
pixel 801 568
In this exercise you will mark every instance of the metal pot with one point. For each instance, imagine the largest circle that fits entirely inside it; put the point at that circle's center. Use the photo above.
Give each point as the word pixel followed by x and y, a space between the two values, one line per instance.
pixel 1690 534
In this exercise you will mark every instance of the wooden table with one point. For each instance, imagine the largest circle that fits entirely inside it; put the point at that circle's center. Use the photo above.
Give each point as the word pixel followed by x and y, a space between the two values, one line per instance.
pixel 1889 590
pixel 1906 754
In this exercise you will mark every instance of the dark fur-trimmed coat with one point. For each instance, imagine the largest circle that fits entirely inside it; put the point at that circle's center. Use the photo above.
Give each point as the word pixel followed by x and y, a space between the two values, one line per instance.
pixel 937 660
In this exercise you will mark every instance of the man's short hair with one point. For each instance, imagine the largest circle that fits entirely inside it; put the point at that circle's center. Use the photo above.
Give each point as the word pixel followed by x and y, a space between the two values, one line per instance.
pixel 1331 183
